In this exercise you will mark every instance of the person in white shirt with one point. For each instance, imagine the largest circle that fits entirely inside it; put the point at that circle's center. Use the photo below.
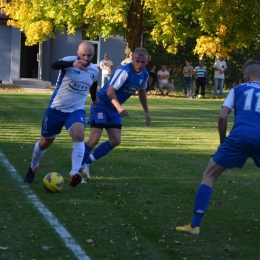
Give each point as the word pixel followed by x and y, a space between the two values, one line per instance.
pixel 106 66
pixel 163 76
pixel 220 68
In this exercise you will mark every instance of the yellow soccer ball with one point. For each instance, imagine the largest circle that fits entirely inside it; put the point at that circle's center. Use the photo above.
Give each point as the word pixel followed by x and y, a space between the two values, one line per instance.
pixel 53 182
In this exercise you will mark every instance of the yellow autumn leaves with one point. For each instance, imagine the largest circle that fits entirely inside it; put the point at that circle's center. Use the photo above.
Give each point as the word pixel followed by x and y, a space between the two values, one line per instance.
pixel 218 26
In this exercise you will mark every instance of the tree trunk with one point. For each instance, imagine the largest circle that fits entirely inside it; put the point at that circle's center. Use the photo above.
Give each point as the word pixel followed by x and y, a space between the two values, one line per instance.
pixel 134 25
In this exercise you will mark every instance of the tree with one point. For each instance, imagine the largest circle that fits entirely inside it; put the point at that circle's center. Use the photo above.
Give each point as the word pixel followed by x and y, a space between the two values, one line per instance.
pixel 134 25
pixel 219 27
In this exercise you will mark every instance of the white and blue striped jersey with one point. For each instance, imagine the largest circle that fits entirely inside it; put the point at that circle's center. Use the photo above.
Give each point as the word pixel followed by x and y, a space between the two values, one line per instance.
pixel 126 82
pixel 72 87
pixel 245 100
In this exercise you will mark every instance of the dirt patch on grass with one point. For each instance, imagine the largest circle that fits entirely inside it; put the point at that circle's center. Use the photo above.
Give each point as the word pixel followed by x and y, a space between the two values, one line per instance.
pixel 11 88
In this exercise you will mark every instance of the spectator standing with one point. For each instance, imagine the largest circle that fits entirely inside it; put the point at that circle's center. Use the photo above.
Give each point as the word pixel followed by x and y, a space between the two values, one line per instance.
pixel 163 76
pixel 106 66
pixel 128 59
pixel 200 75
pixel 188 71
pixel 150 67
pixel 220 68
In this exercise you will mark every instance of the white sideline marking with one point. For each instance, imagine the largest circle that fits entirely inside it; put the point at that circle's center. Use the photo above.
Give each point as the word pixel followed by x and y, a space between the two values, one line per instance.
pixel 53 221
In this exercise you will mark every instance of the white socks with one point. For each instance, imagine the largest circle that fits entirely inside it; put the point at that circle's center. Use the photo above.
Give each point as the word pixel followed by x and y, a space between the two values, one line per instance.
pixel 37 155
pixel 77 155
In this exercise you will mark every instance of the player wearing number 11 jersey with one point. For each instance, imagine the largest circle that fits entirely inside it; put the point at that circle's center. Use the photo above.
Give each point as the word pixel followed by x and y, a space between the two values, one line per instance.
pixel 242 142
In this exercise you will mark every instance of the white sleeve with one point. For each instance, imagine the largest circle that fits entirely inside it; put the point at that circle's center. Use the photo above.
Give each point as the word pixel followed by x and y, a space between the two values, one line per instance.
pixel 118 79
pixel 229 101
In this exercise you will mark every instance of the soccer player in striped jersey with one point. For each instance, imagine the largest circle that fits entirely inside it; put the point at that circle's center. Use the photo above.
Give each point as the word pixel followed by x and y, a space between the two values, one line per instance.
pixel 77 77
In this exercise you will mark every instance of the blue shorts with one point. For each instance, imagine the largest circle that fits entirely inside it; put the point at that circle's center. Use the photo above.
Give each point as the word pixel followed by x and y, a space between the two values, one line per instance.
pixel 235 151
pixel 53 121
pixel 101 119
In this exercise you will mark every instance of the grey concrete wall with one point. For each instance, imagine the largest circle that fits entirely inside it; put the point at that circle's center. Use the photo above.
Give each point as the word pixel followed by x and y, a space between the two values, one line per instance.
pixel 5 52
pixel 115 47
pixel 46 60
pixel 67 45
pixel 15 54
pixel 52 50
pixel 61 46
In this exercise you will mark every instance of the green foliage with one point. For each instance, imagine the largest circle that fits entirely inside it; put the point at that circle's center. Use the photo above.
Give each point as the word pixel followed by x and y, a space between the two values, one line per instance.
pixel 219 27
pixel 235 61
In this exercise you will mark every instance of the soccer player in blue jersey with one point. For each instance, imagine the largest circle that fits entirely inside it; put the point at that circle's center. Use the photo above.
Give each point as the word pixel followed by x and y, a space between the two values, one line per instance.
pixel 77 77
pixel 108 113
pixel 242 142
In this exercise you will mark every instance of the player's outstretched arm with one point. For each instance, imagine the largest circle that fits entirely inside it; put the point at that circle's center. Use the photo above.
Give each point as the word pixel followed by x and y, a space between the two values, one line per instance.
pixel 111 93
pixel 61 64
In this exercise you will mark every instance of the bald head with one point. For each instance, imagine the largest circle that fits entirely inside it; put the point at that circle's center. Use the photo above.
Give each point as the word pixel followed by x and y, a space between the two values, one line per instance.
pixel 86 45
pixel 251 70
pixel 86 52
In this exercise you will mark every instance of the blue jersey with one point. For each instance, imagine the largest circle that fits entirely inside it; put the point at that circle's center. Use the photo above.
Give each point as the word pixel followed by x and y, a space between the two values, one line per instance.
pixel 245 99
pixel 126 82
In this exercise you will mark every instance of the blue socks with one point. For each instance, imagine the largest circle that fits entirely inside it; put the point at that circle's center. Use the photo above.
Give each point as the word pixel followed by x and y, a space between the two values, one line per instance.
pixel 87 152
pixel 102 150
pixel 201 202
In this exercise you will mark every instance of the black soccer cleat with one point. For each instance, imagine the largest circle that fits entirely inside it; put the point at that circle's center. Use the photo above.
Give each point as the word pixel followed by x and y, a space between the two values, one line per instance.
pixel 29 177
pixel 75 180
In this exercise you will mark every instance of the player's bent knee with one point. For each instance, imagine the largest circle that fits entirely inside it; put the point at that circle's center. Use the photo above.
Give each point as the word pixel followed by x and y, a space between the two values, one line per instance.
pixel 45 143
pixel 77 136
pixel 114 142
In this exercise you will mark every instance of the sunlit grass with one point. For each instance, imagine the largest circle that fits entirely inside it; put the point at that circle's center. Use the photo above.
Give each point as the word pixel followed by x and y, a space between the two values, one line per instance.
pixel 137 194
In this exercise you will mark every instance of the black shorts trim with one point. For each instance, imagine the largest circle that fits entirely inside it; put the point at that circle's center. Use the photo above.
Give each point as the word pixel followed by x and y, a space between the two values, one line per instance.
pixel 101 126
